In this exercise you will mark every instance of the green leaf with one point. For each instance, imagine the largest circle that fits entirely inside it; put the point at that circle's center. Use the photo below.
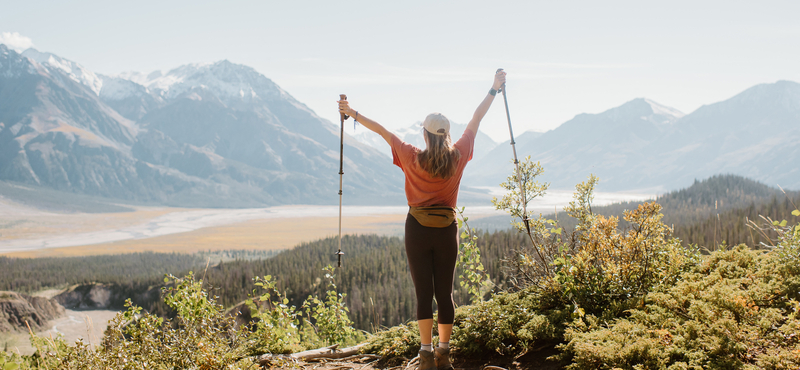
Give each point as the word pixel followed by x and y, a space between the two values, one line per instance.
pixel 783 223
pixel 11 366
pixel 796 212
pixel 775 223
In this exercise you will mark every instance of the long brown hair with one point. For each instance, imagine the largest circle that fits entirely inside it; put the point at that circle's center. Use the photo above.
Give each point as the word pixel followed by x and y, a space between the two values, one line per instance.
pixel 440 158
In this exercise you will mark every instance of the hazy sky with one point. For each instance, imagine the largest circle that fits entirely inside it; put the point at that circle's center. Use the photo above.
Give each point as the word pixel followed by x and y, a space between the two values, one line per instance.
pixel 400 60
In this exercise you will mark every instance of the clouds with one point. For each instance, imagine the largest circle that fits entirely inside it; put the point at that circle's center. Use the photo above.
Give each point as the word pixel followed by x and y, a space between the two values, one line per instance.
pixel 16 41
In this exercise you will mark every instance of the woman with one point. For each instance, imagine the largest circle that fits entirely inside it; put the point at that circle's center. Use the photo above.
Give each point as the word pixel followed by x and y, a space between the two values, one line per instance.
pixel 432 177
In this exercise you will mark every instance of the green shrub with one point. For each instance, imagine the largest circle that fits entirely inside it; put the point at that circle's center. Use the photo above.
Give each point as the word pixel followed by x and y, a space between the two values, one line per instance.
pixel 330 316
pixel 507 324
pixel 277 329
pixel 598 267
pixel 473 276
pixel 730 312
pixel 396 343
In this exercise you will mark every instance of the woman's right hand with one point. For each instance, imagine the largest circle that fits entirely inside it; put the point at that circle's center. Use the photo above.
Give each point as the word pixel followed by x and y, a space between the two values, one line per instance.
pixel 499 79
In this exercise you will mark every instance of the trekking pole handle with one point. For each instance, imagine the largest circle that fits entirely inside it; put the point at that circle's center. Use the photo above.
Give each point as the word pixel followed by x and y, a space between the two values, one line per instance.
pixel 343 116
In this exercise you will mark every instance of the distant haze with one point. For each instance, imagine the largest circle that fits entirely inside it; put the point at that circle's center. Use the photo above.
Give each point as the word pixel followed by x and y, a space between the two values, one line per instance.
pixel 399 61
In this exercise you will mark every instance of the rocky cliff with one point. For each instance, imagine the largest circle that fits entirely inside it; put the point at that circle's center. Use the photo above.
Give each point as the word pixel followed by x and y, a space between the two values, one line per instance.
pixel 17 309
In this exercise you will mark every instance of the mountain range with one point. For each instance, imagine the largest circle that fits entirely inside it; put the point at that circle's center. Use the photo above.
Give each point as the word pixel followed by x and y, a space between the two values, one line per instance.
pixel 216 134
pixel 646 146
pixel 224 135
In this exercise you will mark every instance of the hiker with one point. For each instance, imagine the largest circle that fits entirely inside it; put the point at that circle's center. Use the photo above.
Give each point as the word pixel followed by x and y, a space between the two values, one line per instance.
pixel 432 177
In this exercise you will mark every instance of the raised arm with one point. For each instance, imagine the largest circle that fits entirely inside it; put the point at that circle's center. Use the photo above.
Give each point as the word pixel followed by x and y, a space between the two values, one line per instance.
pixel 344 107
pixel 499 80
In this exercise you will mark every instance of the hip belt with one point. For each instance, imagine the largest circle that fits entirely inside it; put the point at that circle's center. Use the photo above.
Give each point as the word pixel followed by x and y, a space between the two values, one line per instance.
pixel 434 216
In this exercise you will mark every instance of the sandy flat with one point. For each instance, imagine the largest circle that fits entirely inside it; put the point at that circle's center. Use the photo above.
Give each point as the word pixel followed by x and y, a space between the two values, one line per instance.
pixel 213 229
pixel 19 222
pixel 263 234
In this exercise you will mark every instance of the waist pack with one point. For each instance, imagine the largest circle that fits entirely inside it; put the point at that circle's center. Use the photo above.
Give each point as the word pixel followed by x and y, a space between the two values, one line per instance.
pixel 434 216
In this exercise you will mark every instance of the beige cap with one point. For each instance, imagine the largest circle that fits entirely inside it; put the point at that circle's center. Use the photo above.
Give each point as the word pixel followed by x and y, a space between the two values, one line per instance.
pixel 437 124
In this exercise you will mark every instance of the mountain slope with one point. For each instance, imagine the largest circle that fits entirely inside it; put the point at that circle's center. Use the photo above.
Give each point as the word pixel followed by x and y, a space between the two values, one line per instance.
pixel 56 132
pixel 605 144
pixel 753 134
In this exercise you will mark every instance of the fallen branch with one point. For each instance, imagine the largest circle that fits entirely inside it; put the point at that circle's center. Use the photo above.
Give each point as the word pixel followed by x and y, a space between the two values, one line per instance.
pixel 361 357
pixel 413 361
pixel 331 352
pixel 326 353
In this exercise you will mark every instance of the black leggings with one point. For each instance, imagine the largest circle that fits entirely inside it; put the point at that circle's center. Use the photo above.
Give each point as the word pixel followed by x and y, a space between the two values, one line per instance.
pixel 432 254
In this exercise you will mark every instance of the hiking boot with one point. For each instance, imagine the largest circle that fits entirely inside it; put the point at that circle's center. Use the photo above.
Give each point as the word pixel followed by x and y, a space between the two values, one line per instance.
pixel 443 359
pixel 426 360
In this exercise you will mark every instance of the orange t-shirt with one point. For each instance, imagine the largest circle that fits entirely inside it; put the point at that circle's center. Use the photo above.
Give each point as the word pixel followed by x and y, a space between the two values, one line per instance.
pixel 422 190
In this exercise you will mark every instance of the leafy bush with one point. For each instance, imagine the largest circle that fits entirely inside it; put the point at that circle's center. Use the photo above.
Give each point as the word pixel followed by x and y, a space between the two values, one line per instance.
pixel 277 329
pixel 507 324
pixel 330 315
pixel 474 276
pixel 399 342
pixel 737 309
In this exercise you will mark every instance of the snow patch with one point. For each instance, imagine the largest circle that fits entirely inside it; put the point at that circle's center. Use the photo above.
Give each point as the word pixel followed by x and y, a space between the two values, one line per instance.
pixel 664 110
pixel 74 71
pixel 115 88
pixel 226 80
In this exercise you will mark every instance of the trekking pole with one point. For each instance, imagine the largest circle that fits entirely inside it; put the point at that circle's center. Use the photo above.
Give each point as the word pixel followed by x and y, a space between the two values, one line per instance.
pixel 516 161
pixel 343 117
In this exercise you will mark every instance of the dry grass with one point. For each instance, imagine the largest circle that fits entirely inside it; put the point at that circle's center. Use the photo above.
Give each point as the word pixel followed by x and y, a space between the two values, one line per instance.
pixel 264 234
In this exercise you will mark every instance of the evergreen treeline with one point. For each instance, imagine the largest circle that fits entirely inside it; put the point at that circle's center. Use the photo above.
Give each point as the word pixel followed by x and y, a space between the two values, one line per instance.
pixel 26 275
pixel 731 225
pixel 714 195
pixel 31 274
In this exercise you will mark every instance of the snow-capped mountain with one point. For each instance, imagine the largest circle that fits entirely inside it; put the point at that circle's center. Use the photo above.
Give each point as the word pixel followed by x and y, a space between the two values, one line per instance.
pixel 229 82
pixel 74 71
pixel 219 134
